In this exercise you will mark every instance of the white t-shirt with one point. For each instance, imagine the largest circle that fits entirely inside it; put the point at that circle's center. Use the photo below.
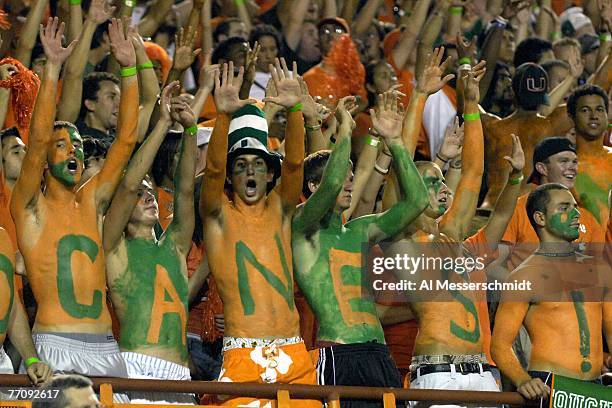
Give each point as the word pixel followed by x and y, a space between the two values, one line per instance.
pixel 439 112
pixel 258 90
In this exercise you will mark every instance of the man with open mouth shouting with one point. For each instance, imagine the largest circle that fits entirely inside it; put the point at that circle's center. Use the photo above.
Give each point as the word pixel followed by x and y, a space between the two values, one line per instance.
pixel 247 230
pixel 58 231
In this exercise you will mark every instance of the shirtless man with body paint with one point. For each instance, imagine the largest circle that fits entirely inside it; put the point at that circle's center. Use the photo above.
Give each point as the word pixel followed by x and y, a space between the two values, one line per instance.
pixel 59 231
pixel 574 348
pixel 450 349
pixel 247 230
pixel 327 254
pixel 148 277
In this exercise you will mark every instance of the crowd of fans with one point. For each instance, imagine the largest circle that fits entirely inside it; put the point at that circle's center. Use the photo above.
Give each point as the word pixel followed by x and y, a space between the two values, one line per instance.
pixel 188 188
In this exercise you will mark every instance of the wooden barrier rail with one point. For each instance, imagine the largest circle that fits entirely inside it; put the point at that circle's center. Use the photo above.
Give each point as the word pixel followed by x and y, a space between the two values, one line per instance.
pixel 331 394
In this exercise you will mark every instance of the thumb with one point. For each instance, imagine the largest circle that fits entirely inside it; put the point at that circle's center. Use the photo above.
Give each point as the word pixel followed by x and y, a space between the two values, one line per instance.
pixel 248 101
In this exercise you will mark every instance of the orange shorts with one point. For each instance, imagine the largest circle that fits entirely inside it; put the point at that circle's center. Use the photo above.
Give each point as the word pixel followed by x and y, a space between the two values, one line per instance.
pixel 286 364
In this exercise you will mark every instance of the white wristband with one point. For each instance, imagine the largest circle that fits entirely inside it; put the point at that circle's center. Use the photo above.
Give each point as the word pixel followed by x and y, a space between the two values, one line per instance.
pixel 380 169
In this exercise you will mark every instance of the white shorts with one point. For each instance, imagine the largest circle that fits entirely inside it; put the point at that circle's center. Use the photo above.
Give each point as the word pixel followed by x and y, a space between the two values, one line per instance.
pixel 143 366
pixel 483 381
pixel 92 355
pixel 6 366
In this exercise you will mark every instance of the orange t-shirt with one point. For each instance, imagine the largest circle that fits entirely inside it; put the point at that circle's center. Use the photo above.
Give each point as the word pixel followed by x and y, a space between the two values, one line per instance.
pixel 194 323
pixel 165 202
pixel 521 235
pixel 329 86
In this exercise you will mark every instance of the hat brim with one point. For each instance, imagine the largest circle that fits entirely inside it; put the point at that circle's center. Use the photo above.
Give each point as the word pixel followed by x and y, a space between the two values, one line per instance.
pixel 273 160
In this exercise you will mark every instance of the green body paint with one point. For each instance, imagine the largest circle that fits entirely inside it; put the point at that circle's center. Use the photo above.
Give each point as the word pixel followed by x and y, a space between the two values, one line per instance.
pixel 470 336
pixel 65 284
pixel 7 269
pixel 592 196
pixel 583 327
pixel 435 184
pixel 60 172
pixel 560 223
pixel 137 287
pixel 243 255
pixel 335 288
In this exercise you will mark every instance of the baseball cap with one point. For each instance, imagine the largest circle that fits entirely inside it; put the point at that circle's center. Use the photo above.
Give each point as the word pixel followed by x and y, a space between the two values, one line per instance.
pixel 546 148
pixel 337 21
pixel 530 85
pixel 588 43
pixel 572 20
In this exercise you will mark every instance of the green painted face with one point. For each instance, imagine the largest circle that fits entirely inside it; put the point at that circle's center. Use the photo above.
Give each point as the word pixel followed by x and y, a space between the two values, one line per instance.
pixel 560 224
pixel 434 185
pixel 66 171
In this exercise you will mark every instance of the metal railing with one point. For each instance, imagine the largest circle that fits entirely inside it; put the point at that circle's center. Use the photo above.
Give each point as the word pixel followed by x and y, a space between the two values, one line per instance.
pixel 282 393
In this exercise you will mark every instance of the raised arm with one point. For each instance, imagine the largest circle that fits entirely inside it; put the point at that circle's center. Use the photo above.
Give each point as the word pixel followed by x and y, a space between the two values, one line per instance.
pixel 430 32
pixel 184 54
pixel 292 29
pixel 450 153
pixel 127 125
pixel 323 200
pixel 498 222
pixel 126 197
pixel 227 101
pixel 289 96
pixel 457 219
pixel 365 16
pixel 27 38
pixel 27 189
pixel 183 221
pixel 313 119
pixel 386 122
pixel 206 83
pixel 155 16
pixel 414 23
pixel 556 96
pixel 72 78
pixel 430 82
pixel 148 80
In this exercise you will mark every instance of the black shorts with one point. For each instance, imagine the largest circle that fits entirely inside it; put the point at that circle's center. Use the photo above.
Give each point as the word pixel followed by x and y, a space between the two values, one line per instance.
pixel 363 365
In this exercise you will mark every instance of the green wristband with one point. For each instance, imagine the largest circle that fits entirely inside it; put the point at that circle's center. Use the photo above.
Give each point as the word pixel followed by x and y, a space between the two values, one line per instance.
pixel 128 72
pixel 297 107
pixel 74 2
pixel 605 37
pixel 31 361
pixel 129 3
pixel 464 60
pixel 372 141
pixel 556 35
pixel 515 181
pixel 239 2
pixel 146 65
pixel 191 130
pixel 470 117
pixel 456 11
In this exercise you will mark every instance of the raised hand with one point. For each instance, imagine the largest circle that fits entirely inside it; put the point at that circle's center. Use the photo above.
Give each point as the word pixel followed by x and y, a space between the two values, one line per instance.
pixel 100 11
pixel 471 80
pixel 206 79
pixel 181 112
pixel 387 117
pixel 309 106
pixel 466 49
pixel 605 13
pixel 227 89
pixel 431 80
pixel 184 55
pixel 513 7
pixel 251 62
pixel 453 141
pixel 121 46
pixel 288 91
pixel 575 63
pixel 517 160
pixel 51 39
pixel 343 113
pixel 164 101
pixel 136 39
